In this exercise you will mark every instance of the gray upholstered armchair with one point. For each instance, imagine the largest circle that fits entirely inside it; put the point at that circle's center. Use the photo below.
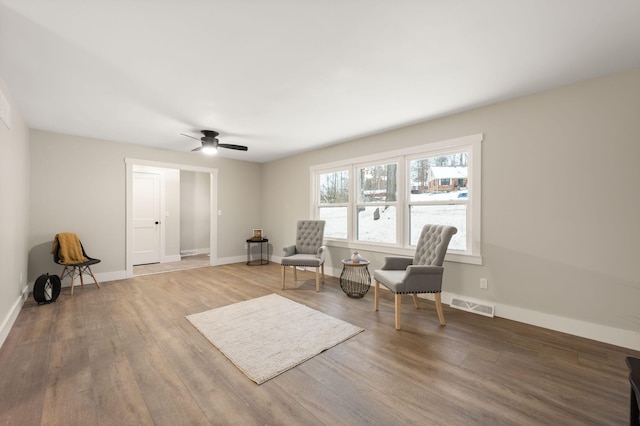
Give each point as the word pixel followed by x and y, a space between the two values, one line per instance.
pixel 422 274
pixel 308 250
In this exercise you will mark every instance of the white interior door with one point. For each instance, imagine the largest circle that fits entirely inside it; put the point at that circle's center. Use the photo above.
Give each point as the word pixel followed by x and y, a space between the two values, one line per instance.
pixel 146 218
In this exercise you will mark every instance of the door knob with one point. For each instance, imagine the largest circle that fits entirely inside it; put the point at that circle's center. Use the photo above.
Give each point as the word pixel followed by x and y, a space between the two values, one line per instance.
pixel 157 223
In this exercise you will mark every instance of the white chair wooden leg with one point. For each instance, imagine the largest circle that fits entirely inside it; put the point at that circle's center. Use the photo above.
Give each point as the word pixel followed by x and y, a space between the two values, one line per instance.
pixel 398 304
pixel 284 268
pixel 439 309
pixel 376 294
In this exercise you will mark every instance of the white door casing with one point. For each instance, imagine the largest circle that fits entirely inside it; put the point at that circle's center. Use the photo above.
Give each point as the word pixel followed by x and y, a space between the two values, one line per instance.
pixel 130 164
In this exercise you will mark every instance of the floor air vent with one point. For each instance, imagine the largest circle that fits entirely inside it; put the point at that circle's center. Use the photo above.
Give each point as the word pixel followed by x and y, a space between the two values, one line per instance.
pixel 476 308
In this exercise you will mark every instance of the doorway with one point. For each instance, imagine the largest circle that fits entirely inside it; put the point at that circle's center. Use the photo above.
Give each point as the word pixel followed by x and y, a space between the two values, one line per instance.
pixel 135 165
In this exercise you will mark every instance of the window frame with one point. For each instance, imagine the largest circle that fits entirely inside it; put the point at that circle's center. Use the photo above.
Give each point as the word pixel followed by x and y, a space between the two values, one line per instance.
pixel 402 157
pixel 463 201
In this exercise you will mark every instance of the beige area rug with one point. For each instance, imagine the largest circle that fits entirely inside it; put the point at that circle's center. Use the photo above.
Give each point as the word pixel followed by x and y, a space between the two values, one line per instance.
pixel 269 335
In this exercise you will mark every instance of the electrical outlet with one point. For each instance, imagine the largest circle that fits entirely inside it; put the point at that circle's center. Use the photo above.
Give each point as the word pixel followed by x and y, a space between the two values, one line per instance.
pixel 483 283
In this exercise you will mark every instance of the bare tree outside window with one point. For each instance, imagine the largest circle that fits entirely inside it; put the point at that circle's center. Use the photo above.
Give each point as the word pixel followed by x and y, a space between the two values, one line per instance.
pixel 334 187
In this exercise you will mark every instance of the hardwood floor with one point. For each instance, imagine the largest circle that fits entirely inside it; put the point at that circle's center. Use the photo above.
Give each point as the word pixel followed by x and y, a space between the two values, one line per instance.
pixel 125 354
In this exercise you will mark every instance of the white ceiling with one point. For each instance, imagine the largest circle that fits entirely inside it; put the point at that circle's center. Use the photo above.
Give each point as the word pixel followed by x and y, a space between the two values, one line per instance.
pixel 286 76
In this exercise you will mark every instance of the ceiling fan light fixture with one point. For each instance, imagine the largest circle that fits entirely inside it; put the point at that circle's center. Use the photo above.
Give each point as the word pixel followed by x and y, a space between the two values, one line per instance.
pixel 210 143
pixel 209 149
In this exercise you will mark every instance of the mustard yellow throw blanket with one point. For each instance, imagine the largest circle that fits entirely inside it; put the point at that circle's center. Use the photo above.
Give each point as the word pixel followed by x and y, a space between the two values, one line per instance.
pixel 70 249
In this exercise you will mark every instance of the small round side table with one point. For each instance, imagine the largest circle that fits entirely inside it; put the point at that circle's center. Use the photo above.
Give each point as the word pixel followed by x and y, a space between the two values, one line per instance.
pixel 355 279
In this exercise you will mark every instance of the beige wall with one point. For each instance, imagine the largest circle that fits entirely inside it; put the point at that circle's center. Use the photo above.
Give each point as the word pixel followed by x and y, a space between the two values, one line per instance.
pixel 14 213
pixel 560 208
pixel 79 186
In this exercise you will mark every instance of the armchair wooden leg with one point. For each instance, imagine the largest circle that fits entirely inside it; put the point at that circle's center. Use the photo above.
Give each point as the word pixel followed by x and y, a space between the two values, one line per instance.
pixel 295 273
pixel 415 301
pixel 398 304
pixel 317 278
pixel 439 308
pixel 322 273
pixel 376 295
pixel 284 268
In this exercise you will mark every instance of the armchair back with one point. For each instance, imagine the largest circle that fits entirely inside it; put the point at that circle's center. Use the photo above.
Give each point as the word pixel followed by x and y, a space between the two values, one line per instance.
pixel 309 236
pixel 432 244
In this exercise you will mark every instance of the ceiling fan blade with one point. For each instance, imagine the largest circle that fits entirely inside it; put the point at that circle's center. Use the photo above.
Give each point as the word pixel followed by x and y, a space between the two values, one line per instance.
pixel 196 149
pixel 189 136
pixel 231 146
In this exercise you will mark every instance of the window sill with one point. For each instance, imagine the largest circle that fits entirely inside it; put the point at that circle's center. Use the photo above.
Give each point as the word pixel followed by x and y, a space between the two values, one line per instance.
pixel 458 257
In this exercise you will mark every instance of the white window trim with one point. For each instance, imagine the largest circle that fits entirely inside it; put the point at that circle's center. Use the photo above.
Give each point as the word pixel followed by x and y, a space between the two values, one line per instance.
pixel 471 143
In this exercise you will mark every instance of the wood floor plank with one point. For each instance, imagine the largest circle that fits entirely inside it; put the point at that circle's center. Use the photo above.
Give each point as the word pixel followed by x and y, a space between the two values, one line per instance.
pixel 23 381
pixel 125 354
pixel 69 395
pixel 117 396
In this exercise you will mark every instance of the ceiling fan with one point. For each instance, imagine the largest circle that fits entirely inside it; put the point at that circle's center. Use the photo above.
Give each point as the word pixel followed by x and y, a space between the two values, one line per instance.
pixel 210 143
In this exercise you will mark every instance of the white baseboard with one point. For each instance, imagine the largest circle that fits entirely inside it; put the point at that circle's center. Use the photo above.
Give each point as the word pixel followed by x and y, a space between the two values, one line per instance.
pixel 102 277
pixel 172 258
pixel 229 260
pixel 601 333
pixel 11 316
pixel 195 252
pixel 111 276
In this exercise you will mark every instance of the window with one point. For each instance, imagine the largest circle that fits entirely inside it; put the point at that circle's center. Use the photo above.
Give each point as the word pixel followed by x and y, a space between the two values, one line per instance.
pixel 439 195
pixel 333 202
pixel 381 202
pixel 377 203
